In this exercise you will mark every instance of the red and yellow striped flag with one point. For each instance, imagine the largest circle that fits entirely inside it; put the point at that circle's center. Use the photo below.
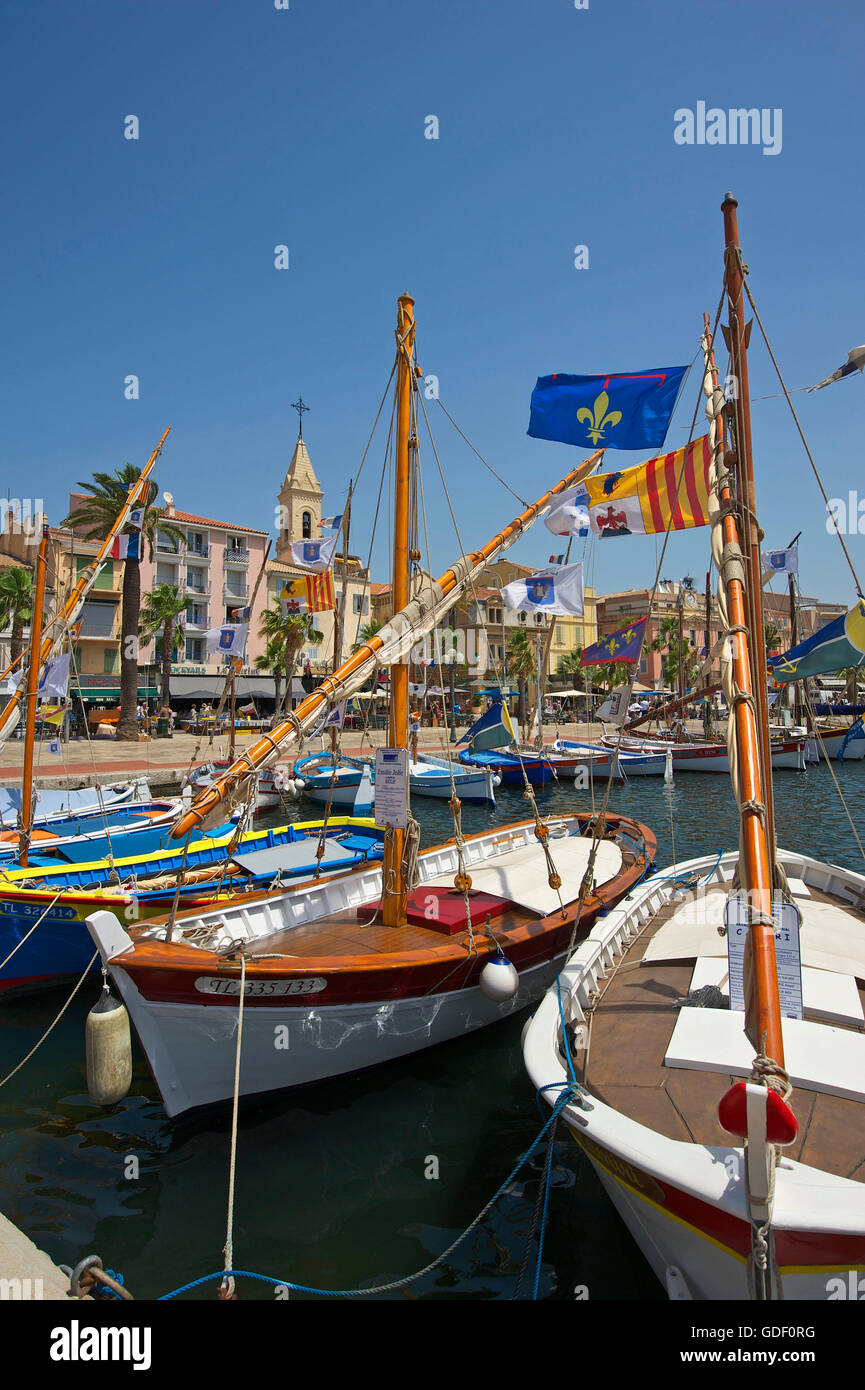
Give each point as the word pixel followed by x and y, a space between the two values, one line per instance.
pixel 668 492
pixel 313 593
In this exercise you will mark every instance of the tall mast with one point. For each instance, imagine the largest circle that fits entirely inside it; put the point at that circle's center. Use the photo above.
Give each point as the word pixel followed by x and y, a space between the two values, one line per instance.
pixel 33 665
pixel 737 341
pixel 798 713
pixel 762 1006
pixel 394 897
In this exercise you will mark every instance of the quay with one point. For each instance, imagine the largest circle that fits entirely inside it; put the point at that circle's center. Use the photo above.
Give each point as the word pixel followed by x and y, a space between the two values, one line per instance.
pixel 26 1272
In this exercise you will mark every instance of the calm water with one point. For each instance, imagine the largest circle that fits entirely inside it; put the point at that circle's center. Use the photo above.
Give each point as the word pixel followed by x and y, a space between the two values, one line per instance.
pixel 331 1189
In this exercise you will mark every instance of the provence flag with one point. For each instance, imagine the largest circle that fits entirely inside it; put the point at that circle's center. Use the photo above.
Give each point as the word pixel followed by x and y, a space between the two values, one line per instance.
pixel 835 647
pixel 312 594
pixel 668 492
pixel 629 410
pixel 493 730
pixel 623 645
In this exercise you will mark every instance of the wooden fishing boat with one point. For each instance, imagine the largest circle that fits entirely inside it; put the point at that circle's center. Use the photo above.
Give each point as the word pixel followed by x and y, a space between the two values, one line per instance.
pixel 629 764
pixel 707 1042
pixel 701 756
pixel 44 940
pixel 65 803
pixel 510 767
pixel 374 964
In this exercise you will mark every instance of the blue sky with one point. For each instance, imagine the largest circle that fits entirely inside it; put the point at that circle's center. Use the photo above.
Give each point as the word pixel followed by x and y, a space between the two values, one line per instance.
pixel 305 127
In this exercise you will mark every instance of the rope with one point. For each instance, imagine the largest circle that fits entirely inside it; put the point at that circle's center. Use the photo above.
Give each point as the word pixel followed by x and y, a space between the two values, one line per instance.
pixel 744 270
pixel 53 1025
pixel 227 1286
pixel 42 915
pixel 570 1094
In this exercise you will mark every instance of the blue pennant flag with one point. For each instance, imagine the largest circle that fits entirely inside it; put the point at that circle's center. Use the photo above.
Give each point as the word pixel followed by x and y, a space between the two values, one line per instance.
pixel 630 410
pixel 623 645
pixel 494 729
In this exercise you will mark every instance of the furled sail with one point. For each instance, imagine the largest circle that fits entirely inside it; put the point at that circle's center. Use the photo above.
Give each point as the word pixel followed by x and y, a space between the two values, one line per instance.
pixel 390 645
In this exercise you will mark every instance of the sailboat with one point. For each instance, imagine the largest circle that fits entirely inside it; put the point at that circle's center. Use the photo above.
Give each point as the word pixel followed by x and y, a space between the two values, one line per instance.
pixel 374 964
pixel 706 1042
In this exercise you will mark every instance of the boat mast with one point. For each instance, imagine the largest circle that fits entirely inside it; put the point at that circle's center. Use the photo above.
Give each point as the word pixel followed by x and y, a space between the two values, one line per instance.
pixel 33 665
pixel 394 896
pixel 762 1006
pixel 798 712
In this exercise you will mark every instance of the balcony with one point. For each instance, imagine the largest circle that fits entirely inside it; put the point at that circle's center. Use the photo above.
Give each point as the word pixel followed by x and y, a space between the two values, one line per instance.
pixel 167 547
pixel 236 557
pixel 236 591
pixel 199 555
pixel 196 590
pixel 197 624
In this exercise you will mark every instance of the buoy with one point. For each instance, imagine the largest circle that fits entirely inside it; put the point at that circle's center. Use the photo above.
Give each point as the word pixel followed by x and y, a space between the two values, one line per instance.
pixel 108 1046
pixel 668 766
pixel 499 980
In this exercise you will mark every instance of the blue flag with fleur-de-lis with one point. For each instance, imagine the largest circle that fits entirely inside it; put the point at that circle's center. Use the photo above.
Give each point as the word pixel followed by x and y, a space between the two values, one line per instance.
pixel 622 410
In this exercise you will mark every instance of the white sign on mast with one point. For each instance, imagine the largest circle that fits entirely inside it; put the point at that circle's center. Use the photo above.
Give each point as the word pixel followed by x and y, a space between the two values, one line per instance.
pixel 391 787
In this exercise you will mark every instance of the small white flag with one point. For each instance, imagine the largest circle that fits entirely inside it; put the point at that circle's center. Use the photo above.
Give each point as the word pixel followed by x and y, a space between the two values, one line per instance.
pixel 314 556
pixel 781 561
pixel 229 639
pixel 54 746
pixel 55 678
pixel 547 591
pixel 569 513
pixel 335 718
pixel 136 517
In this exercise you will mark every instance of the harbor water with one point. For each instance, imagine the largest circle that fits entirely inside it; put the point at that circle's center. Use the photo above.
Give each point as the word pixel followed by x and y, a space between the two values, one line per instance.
pixel 368 1178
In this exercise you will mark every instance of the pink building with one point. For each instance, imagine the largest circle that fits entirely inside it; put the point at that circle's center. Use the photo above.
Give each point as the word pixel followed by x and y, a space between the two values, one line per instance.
pixel 215 569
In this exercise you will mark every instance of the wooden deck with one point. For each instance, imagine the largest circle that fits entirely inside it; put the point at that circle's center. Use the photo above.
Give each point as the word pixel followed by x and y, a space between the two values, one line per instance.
pixel 630 1028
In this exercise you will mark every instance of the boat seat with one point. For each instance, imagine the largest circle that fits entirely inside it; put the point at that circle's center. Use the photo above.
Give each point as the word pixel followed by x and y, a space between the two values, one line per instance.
pixel 818 1057
pixel 520 874
pixel 830 997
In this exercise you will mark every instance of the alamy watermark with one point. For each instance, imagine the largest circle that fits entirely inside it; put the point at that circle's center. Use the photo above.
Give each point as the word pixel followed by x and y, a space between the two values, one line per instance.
pixel 847 515
pixel 738 126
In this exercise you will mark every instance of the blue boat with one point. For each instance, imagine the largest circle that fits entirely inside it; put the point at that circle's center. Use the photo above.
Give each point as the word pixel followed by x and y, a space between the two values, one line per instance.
pixel 60 948
pixel 538 770
pixel 138 828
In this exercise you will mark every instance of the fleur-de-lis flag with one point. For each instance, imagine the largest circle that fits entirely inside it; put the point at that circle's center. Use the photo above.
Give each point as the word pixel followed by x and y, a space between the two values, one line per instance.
pixel 623 645
pixel 627 410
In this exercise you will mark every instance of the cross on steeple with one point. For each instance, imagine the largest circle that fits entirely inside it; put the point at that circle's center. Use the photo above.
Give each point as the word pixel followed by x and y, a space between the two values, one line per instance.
pixel 299 406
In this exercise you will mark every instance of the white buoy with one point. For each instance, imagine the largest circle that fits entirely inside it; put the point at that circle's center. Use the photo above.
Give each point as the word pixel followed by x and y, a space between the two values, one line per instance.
pixel 499 980
pixel 108 1047
pixel 668 766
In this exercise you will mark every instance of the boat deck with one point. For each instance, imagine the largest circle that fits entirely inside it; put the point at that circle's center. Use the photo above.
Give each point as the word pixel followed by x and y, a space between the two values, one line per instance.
pixel 630 1028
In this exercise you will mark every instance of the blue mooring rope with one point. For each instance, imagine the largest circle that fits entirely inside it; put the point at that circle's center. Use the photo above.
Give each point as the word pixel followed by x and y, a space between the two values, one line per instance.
pixel 568 1093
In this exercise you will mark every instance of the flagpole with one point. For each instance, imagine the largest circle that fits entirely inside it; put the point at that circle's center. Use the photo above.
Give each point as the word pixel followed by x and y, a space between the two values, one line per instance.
pixel 32 694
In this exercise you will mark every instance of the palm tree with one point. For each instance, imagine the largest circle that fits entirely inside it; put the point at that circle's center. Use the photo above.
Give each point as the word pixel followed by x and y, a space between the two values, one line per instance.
pixel 363 635
pixel 288 632
pixel 520 657
pixel 773 637
pixel 16 601
pixel 273 660
pixel 161 609
pixel 668 642
pixel 96 515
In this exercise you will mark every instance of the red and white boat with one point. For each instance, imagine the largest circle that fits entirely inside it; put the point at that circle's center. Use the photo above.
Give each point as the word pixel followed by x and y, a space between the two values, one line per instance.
pixel 710 757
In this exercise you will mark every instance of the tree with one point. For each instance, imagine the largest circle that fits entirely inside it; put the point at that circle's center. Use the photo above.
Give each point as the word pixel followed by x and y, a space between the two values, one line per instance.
pixel 16 604
pixel 364 633
pixel 773 637
pixel 289 633
pixel 96 516
pixel 520 657
pixel 273 660
pixel 569 664
pixel 613 673
pixel 161 609
pixel 668 642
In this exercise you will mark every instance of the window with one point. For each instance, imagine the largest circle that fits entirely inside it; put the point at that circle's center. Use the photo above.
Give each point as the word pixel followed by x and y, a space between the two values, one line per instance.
pixel 111 661
pixel 560 634
pixel 644 666
pixel 313 653
pixel 306 525
pixel 195 649
pixel 360 604
pixel 196 542
pixel 97 619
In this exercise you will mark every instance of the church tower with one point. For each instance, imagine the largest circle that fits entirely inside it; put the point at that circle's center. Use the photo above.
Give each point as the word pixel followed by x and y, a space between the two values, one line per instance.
pixel 300 496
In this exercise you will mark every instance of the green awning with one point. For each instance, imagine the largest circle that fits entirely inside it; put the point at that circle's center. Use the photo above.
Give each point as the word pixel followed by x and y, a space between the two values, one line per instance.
pixel 106 694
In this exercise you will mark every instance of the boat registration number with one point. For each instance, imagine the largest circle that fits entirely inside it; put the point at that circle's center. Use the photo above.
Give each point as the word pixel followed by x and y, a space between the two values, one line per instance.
pixel 214 984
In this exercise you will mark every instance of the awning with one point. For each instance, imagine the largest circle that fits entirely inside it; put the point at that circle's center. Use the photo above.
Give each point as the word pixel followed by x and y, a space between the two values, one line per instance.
pixel 110 695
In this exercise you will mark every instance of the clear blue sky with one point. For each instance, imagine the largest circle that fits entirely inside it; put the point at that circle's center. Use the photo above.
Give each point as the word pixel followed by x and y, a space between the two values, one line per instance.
pixel 306 127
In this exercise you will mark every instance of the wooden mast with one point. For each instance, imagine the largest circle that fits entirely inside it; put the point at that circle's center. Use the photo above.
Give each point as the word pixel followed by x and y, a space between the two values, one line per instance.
pixel 394 897
pixel 33 666
pixel 762 1006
